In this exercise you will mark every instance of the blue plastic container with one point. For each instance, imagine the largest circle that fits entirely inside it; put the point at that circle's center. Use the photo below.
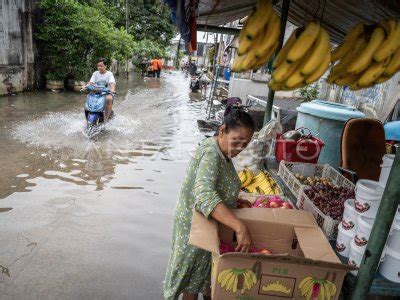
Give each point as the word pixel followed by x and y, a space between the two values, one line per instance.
pixel 227 73
pixel 326 121
pixel 392 131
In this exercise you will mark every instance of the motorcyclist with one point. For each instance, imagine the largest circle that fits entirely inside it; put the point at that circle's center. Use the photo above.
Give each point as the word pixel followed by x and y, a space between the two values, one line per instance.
pixel 104 78
pixel 192 67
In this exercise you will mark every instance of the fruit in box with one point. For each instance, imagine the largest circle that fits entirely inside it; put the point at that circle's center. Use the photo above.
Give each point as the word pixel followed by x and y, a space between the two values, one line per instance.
pixel 262 183
pixel 271 202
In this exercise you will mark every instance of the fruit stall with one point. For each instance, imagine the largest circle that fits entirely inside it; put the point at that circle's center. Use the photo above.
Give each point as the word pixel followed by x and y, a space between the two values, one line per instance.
pixel 357 43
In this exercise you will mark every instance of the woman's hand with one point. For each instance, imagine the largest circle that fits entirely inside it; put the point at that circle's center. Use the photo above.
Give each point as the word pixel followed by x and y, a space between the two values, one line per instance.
pixel 243 238
pixel 223 215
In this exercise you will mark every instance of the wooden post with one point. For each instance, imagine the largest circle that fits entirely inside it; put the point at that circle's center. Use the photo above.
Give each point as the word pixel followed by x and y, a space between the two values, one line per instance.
pixel 271 94
pixel 377 240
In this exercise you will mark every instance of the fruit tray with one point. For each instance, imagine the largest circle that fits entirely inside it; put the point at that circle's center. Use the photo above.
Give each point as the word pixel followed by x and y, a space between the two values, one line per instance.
pixel 288 170
pixel 324 174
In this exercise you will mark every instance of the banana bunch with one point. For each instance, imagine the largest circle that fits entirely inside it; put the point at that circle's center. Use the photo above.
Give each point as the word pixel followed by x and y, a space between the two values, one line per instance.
pixel 262 183
pixel 369 54
pixel 229 279
pixel 246 176
pixel 258 38
pixel 313 288
pixel 303 59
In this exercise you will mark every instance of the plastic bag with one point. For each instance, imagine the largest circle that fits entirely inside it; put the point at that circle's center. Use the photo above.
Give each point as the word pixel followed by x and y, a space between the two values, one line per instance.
pixel 260 146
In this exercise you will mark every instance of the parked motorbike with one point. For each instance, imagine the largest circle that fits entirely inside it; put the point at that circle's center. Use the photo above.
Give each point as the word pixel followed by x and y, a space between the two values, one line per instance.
pixel 95 107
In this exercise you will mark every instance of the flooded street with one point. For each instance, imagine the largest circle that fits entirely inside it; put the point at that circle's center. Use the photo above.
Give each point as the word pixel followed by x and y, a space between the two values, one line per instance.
pixel 84 218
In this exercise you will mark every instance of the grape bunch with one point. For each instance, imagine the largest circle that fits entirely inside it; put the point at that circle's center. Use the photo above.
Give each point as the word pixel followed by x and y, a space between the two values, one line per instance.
pixel 330 198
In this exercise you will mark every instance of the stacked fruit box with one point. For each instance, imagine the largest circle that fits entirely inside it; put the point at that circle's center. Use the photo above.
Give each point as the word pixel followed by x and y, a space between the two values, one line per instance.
pixel 319 189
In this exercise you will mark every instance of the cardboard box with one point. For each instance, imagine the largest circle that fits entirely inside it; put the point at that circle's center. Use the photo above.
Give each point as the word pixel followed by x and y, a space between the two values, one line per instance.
pixel 302 258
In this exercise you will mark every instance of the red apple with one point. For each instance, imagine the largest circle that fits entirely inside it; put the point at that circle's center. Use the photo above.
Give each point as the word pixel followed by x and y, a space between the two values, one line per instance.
pixel 287 205
pixel 266 251
pixel 274 204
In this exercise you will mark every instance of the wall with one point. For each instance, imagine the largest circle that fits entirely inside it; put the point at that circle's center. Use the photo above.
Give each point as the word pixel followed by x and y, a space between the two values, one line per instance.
pixel 17 71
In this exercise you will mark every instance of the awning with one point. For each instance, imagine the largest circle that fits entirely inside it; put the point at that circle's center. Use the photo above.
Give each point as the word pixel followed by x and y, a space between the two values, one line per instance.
pixel 338 15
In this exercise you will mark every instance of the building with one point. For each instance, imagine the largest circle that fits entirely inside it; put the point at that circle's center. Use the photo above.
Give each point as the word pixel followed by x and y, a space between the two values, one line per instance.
pixel 17 59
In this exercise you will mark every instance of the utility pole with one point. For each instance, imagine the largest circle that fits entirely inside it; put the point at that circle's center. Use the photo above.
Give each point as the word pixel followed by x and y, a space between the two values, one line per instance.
pixel 177 53
pixel 127 26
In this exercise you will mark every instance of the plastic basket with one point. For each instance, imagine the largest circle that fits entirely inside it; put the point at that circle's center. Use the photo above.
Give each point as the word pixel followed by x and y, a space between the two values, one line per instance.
pixel 328 225
pixel 287 171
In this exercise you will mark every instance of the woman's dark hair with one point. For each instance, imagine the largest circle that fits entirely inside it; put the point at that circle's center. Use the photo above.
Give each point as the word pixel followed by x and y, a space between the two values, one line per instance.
pixel 235 116
pixel 103 60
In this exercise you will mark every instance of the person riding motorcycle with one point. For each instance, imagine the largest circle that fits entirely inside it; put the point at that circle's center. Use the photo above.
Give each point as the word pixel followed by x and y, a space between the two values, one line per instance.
pixel 104 78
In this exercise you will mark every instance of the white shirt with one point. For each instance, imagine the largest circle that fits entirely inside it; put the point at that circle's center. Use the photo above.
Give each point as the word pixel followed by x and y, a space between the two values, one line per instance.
pixel 102 79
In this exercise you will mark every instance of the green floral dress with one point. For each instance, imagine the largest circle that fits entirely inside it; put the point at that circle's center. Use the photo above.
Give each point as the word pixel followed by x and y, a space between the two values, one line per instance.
pixel 210 179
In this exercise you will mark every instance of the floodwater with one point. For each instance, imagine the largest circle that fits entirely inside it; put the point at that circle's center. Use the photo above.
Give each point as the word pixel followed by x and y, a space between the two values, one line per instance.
pixel 91 219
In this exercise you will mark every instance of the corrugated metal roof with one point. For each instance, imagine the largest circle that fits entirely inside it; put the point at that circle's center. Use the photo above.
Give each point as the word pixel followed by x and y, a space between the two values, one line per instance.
pixel 339 16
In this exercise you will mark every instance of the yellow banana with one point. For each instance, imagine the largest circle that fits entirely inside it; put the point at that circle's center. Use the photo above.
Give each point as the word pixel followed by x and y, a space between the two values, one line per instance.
pixel 322 292
pixel 317 54
pixel 347 80
pixel 348 43
pixel 248 281
pixel 320 70
pixel 258 19
pixel 285 49
pixel 223 277
pixel 327 288
pixel 332 288
pixel 303 282
pixel 242 177
pixel 340 68
pixel 284 70
pixel 304 42
pixel 249 177
pixel 394 64
pixel 244 45
pixel 373 72
pixel 229 283
pixel 273 85
pixel 364 59
pixel 237 64
pixel 253 276
pixel 249 61
pixel 235 283
pixel 390 44
pixel 381 79
pixel 271 35
pixel 294 80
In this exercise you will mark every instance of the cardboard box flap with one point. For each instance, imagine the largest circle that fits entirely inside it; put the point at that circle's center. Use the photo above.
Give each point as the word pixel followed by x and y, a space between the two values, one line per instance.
pixel 293 217
pixel 314 245
pixel 204 233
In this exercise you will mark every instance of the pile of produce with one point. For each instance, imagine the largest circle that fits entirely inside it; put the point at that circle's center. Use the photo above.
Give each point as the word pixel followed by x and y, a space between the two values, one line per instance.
pixel 369 54
pixel 227 248
pixel 271 202
pixel 258 38
pixel 329 198
pixel 303 59
pixel 313 180
pixel 262 183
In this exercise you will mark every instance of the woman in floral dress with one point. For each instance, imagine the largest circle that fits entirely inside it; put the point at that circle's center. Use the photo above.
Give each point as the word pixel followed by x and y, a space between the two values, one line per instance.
pixel 211 186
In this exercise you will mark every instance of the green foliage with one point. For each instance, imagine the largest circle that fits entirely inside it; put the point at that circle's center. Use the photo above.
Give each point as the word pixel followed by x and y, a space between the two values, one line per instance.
pixel 74 35
pixel 309 92
pixel 145 50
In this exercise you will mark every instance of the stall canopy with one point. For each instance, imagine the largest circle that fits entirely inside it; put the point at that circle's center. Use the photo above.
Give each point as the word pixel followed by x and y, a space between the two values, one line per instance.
pixel 338 16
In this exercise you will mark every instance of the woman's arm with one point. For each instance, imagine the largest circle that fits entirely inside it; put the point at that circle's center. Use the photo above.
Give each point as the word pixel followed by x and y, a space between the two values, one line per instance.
pixel 209 203
pixel 223 215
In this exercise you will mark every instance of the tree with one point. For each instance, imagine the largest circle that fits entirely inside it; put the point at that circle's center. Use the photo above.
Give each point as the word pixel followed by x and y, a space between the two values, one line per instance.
pixel 74 35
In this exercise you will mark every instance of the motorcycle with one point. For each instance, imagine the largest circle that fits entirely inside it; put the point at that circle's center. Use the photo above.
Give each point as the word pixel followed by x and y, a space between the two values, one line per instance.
pixel 95 107
pixel 195 82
